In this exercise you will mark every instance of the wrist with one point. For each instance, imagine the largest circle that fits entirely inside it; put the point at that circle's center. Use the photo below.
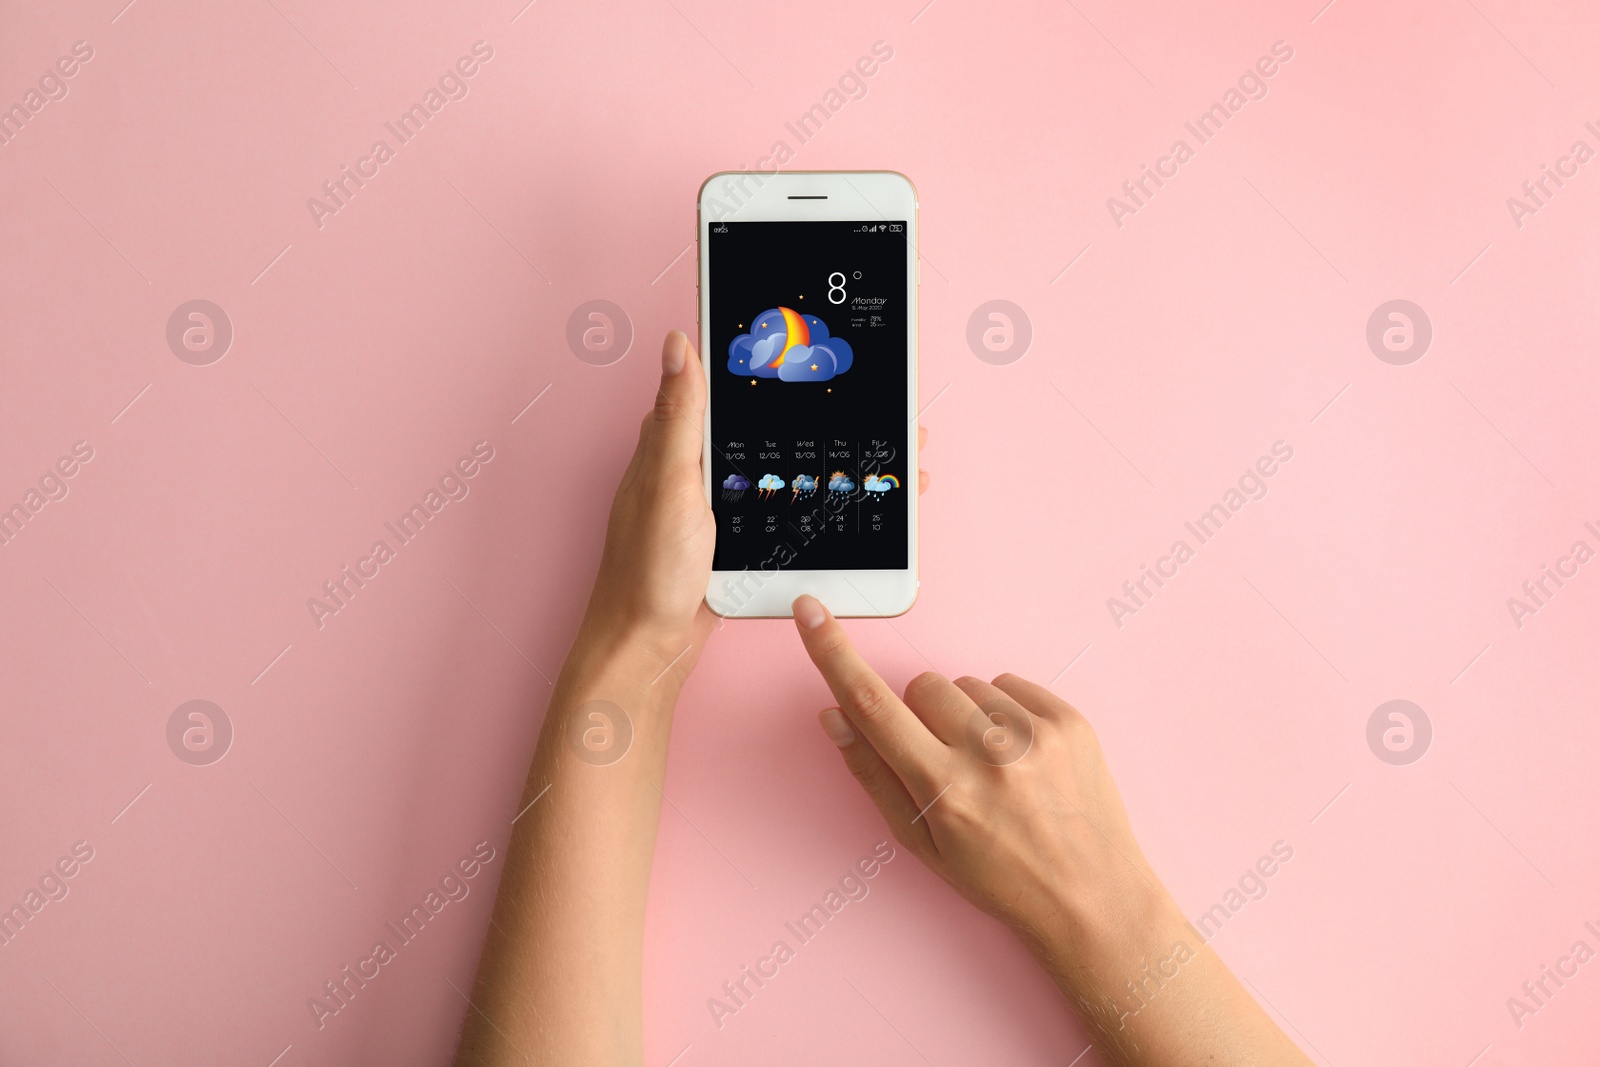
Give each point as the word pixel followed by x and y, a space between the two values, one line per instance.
pixel 1094 945
pixel 634 628
pixel 625 663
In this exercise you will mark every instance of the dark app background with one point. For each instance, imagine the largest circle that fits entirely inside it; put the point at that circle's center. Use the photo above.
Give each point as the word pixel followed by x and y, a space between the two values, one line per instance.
pixel 854 422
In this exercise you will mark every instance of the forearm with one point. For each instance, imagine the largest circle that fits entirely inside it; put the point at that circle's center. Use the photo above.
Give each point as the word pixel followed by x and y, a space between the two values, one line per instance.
pixel 1150 992
pixel 560 977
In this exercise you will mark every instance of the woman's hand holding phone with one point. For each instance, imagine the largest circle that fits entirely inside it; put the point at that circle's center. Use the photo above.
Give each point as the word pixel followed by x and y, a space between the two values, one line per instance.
pixel 559 978
pixel 652 581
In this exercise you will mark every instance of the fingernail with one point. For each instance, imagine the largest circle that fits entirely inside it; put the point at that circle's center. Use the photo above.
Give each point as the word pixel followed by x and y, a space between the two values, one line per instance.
pixel 836 726
pixel 672 354
pixel 809 612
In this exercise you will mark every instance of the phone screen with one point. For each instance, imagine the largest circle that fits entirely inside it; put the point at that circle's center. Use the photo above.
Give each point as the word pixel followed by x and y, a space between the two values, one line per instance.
pixel 809 389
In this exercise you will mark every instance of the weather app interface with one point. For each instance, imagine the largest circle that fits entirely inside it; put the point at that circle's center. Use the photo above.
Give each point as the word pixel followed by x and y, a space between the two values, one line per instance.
pixel 809 436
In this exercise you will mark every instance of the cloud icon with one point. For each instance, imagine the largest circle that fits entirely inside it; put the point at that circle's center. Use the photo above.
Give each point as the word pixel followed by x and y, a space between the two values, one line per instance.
pixel 739 354
pixel 765 352
pixel 736 481
pixel 808 363
pixel 875 484
pixel 803 483
pixel 843 354
pixel 784 344
pixel 841 483
pixel 769 484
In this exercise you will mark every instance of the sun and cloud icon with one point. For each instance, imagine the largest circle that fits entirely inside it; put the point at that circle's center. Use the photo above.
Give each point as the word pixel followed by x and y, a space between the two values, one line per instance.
pixel 784 344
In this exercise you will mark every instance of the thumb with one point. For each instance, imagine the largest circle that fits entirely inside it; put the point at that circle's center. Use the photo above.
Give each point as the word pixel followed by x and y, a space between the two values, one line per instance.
pixel 677 423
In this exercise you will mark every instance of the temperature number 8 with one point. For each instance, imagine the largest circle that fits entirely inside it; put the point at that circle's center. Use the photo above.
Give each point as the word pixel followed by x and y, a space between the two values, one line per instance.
pixel 836 287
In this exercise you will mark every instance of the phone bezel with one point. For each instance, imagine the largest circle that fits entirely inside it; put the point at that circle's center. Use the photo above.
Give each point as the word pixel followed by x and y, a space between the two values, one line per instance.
pixel 735 196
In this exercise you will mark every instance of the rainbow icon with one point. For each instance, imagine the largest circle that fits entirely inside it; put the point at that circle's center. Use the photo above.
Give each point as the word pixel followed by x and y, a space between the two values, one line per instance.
pixel 880 483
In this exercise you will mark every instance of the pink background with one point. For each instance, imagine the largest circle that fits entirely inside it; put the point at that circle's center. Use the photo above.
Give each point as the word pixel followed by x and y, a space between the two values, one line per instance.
pixel 1227 314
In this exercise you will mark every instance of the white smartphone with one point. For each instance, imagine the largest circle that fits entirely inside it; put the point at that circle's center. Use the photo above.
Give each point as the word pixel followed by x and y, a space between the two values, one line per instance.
pixel 808 331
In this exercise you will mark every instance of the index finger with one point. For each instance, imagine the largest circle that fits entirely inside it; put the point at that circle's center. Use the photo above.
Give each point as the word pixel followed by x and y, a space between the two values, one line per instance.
pixel 893 729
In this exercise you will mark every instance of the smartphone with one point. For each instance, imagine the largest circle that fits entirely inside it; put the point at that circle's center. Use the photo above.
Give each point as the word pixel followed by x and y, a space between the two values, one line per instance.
pixel 808 332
